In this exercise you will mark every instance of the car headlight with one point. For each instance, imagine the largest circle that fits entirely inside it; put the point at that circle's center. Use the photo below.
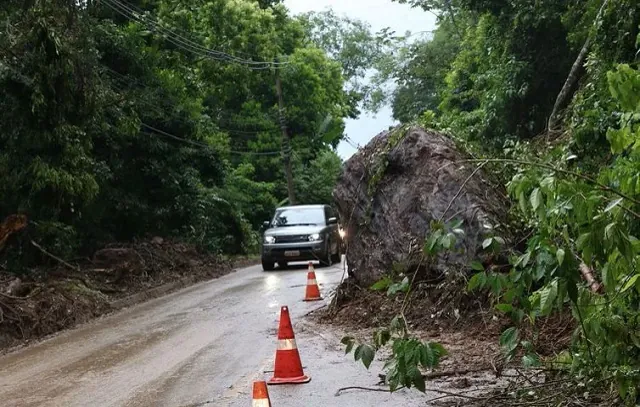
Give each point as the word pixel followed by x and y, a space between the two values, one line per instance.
pixel 269 239
pixel 314 237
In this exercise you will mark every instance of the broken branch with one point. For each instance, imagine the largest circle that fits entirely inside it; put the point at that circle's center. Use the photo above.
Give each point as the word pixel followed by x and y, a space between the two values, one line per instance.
pixel 587 274
pixel 58 259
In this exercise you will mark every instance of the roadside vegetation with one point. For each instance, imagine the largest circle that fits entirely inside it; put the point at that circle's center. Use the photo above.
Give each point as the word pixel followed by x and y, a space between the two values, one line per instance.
pixel 545 96
pixel 128 122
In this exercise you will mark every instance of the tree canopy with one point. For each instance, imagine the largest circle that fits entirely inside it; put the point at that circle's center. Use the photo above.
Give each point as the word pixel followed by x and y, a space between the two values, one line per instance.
pixel 126 118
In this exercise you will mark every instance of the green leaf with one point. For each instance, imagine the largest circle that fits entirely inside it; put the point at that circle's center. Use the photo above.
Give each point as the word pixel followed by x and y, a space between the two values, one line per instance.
pixel 457 223
pixel 612 204
pixel 547 298
pixel 509 338
pixel 357 354
pixel 478 280
pixel 608 230
pixel 448 241
pixel 397 324
pixel 560 256
pixel 523 260
pixel 438 349
pixel 382 284
pixel 381 338
pixel 522 201
pixel 427 357
pixel 506 308
pixel 530 360
pixel 368 353
pixel 632 281
pixel 583 239
pixel 347 340
pixel 535 199
pixel 477 266
pixel 487 242
pixel 500 240
pixel 418 380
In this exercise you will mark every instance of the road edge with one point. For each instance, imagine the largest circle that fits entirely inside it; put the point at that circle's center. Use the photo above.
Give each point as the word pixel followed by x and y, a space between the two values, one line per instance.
pixel 138 298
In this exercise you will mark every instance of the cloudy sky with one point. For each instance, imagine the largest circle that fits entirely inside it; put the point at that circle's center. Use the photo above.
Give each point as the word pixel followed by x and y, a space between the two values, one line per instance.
pixel 379 14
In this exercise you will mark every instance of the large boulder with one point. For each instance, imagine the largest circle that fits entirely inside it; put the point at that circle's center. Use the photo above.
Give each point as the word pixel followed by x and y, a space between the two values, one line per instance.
pixel 390 192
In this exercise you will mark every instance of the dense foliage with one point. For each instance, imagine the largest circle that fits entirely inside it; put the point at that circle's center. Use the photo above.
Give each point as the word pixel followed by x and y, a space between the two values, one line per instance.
pixel 491 75
pixel 127 118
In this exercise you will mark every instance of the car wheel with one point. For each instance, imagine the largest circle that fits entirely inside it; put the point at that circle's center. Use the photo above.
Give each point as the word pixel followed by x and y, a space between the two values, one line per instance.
pixel 268 265
pixel 283 264
pixel 337 258
pixel 326 261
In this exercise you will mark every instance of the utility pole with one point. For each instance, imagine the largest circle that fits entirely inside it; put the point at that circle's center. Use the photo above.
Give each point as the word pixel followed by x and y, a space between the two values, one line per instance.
pixel 286 141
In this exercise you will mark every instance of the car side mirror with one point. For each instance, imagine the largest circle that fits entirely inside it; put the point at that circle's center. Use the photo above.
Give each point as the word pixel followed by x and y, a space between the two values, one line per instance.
pixel 266 224
pixel 332 221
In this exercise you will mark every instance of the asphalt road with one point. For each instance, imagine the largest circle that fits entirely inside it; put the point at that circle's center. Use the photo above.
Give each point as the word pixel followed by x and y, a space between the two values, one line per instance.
pixel 203 345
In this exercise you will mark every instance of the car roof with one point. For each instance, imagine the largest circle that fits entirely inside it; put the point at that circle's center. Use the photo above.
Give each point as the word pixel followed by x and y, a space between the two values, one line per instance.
pixel 303 207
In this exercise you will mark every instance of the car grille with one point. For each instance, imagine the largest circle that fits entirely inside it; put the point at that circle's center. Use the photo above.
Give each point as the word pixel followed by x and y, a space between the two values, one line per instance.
pixel 292 239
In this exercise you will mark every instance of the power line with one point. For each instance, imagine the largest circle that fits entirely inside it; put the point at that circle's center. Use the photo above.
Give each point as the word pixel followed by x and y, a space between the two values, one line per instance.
pixel 206 146
pixel 120 78
pixel 130 12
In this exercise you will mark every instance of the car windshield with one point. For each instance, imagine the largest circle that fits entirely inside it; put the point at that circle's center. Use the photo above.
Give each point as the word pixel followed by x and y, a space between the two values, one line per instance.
pixel 299 217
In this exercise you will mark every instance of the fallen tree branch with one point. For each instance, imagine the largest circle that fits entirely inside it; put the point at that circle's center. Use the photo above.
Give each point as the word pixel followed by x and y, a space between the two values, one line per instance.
pixel 466 181
pixel 340 390
pixel 448 393
pixel 58 259
pixel 446 373
pixel 11 297
pixel 587 274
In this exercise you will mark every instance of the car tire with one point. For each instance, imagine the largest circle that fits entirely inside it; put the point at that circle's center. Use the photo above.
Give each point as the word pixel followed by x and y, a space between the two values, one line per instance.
pixel 326 260
pixel 268 265
pixel 337 258
pixel 283 265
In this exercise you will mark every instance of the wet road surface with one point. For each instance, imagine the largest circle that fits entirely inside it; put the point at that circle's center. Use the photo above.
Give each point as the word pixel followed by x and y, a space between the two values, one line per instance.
pixel 203 345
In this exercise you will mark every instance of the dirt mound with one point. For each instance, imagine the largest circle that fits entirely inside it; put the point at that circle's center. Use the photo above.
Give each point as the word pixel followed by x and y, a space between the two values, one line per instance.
pixel 46 301
pixel 443 312
pixel 392 191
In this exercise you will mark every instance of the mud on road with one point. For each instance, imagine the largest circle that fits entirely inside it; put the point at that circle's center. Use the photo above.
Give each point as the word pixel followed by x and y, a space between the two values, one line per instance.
pixel 201 345
pixel 47 300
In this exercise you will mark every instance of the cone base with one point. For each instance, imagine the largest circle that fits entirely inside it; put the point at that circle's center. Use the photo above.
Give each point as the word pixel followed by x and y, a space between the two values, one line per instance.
pixel 313 299
pixel 289 380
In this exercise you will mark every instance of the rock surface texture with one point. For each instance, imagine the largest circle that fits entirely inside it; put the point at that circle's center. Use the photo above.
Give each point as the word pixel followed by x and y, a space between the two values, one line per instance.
pixel 390 192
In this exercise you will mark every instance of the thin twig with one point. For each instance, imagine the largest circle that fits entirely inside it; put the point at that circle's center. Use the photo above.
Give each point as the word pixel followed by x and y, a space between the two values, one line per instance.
pixel 11 297
pixel 450 394
pixel 58 259
pixel 555 169
pixel 466 181
pixel 340 390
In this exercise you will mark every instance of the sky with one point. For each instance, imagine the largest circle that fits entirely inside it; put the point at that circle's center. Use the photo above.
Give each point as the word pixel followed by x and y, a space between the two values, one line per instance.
pixel 379 14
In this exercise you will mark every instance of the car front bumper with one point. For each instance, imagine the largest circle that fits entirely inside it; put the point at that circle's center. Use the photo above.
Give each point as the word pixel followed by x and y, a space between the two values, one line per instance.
pixel 303 251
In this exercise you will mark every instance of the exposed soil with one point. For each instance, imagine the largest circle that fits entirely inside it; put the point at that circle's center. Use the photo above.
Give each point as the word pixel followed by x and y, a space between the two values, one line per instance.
pixel 46 301
pixel 466 326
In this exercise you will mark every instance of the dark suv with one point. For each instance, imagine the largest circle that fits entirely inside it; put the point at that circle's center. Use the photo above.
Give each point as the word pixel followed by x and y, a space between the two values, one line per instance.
pixel 301 233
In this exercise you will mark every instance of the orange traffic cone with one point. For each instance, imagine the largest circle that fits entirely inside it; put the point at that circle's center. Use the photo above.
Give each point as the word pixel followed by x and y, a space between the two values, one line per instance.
pixel 260 395
pixel 288 367
pixel 313 291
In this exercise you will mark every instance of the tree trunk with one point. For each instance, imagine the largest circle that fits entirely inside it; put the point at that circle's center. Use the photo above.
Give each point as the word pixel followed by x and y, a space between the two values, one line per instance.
pixel 567 89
